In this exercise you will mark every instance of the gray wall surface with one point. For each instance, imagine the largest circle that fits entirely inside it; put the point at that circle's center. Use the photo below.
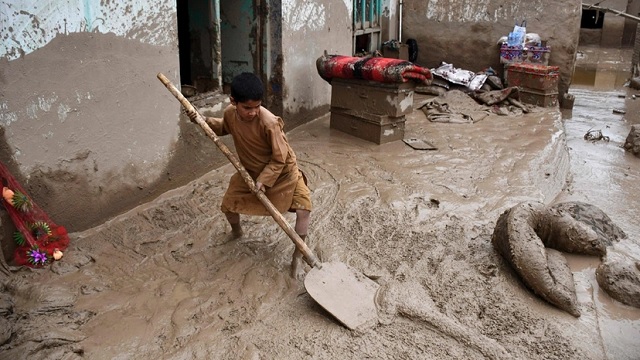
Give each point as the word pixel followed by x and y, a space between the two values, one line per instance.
pixel 466 33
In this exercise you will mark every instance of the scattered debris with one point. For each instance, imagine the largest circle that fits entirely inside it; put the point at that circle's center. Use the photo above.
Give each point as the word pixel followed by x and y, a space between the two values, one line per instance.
pixel 419 144
pixel 595 135
pixel 455 106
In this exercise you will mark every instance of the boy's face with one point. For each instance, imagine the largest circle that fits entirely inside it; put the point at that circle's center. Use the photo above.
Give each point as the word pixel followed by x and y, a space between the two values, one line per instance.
pixel 247 110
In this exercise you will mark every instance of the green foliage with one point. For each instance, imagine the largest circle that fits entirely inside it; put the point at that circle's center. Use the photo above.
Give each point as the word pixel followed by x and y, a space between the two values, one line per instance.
pixel 39 229
pixel 21 202
pixel 19 238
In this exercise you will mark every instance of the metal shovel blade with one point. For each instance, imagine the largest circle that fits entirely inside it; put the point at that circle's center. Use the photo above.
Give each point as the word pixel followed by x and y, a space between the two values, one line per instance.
pixel 345 293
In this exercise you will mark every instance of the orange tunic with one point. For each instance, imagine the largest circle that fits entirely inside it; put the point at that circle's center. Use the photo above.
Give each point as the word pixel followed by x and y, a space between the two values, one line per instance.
pixel 265 153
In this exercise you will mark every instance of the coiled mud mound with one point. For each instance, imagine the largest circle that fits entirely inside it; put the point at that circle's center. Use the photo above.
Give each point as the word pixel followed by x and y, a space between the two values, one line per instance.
pixel 530 237
pixel 543 270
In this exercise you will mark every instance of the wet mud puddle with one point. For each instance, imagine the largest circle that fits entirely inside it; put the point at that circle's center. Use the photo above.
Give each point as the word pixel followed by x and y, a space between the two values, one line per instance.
pixel 605 175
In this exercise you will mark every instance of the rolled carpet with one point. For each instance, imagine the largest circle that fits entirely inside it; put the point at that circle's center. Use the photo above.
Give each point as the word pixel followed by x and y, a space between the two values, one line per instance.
pixel 380 69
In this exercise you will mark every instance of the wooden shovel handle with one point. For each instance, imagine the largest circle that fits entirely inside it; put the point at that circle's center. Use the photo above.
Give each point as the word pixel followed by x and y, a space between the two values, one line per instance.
pixel 309 257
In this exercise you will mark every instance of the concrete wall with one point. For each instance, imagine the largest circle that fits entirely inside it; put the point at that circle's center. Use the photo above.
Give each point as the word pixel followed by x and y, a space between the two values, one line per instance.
pixel 465 33
pixel 308 29
pixel 84 123
pixel 630 26
pixel 613 27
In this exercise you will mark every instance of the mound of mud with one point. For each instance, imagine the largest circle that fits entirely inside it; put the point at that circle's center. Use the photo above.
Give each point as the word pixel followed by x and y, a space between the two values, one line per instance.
pixel 591 235
pixel 525 234
pixel 619 276
pixel 518 238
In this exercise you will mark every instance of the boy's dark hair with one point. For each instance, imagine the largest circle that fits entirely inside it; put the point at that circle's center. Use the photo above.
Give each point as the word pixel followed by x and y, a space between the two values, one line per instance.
pixel 245 87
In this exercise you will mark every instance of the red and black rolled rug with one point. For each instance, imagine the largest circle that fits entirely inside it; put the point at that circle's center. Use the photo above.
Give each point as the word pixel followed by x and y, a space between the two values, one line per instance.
pixel 379 69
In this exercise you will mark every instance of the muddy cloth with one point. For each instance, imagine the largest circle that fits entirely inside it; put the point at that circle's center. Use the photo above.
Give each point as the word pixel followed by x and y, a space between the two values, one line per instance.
pixel 265 153
pixel 496 96
pixel 379 69
pixel 455 107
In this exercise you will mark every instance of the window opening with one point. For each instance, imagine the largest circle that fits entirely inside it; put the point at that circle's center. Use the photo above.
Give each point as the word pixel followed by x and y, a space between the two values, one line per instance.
pixel 366 26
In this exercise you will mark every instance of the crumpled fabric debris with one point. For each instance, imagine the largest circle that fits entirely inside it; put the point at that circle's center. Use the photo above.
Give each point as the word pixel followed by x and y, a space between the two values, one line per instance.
pixel 455 107
pixel 496 96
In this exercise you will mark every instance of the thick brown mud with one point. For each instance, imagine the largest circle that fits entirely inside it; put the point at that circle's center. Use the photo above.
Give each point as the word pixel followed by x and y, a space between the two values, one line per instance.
pixel 161 281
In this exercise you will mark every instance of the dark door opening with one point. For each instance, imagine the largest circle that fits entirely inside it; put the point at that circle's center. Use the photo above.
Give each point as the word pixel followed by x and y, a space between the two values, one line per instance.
pixel 592 19
pixel 198 37
pixel 218 39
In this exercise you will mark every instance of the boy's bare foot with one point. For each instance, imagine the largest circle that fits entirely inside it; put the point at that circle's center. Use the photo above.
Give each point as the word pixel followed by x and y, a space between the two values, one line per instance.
pixel 236 231
pixel 297 266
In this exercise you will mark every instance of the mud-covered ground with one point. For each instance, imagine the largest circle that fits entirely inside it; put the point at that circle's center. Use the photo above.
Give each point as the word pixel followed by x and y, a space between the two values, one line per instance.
pixel 161 281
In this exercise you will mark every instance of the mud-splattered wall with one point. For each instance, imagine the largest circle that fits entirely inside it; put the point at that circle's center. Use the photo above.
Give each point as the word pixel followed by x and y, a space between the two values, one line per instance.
pixel 635 61
pixel 465 33
pixel 86 126
pixel 309 28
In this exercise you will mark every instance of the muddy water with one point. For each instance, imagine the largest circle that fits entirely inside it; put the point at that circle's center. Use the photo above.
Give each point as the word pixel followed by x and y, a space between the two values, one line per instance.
pixel 162 281
pixel 605 175
pixel 172 286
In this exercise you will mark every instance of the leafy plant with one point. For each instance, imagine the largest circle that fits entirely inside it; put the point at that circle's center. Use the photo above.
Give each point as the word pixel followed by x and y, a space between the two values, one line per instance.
pixel 21 202
pixel 19 238
pixel 39 229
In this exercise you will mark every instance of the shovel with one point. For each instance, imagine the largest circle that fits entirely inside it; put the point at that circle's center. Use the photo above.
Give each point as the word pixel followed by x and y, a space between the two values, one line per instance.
pixel 341 290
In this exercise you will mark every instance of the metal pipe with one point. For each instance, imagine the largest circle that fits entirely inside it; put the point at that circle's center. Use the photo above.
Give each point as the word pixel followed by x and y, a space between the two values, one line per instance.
pixel 400 22
pixel 604 9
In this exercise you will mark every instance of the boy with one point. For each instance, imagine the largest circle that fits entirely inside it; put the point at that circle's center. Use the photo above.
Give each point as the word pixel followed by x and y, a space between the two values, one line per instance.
pixel 264 151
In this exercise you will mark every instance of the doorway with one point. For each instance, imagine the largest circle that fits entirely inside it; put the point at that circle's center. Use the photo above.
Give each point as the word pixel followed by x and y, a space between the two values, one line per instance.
pixel 217 40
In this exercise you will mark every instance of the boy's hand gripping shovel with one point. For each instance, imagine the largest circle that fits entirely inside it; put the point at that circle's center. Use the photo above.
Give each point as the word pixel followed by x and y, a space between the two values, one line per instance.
pixel 341 290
